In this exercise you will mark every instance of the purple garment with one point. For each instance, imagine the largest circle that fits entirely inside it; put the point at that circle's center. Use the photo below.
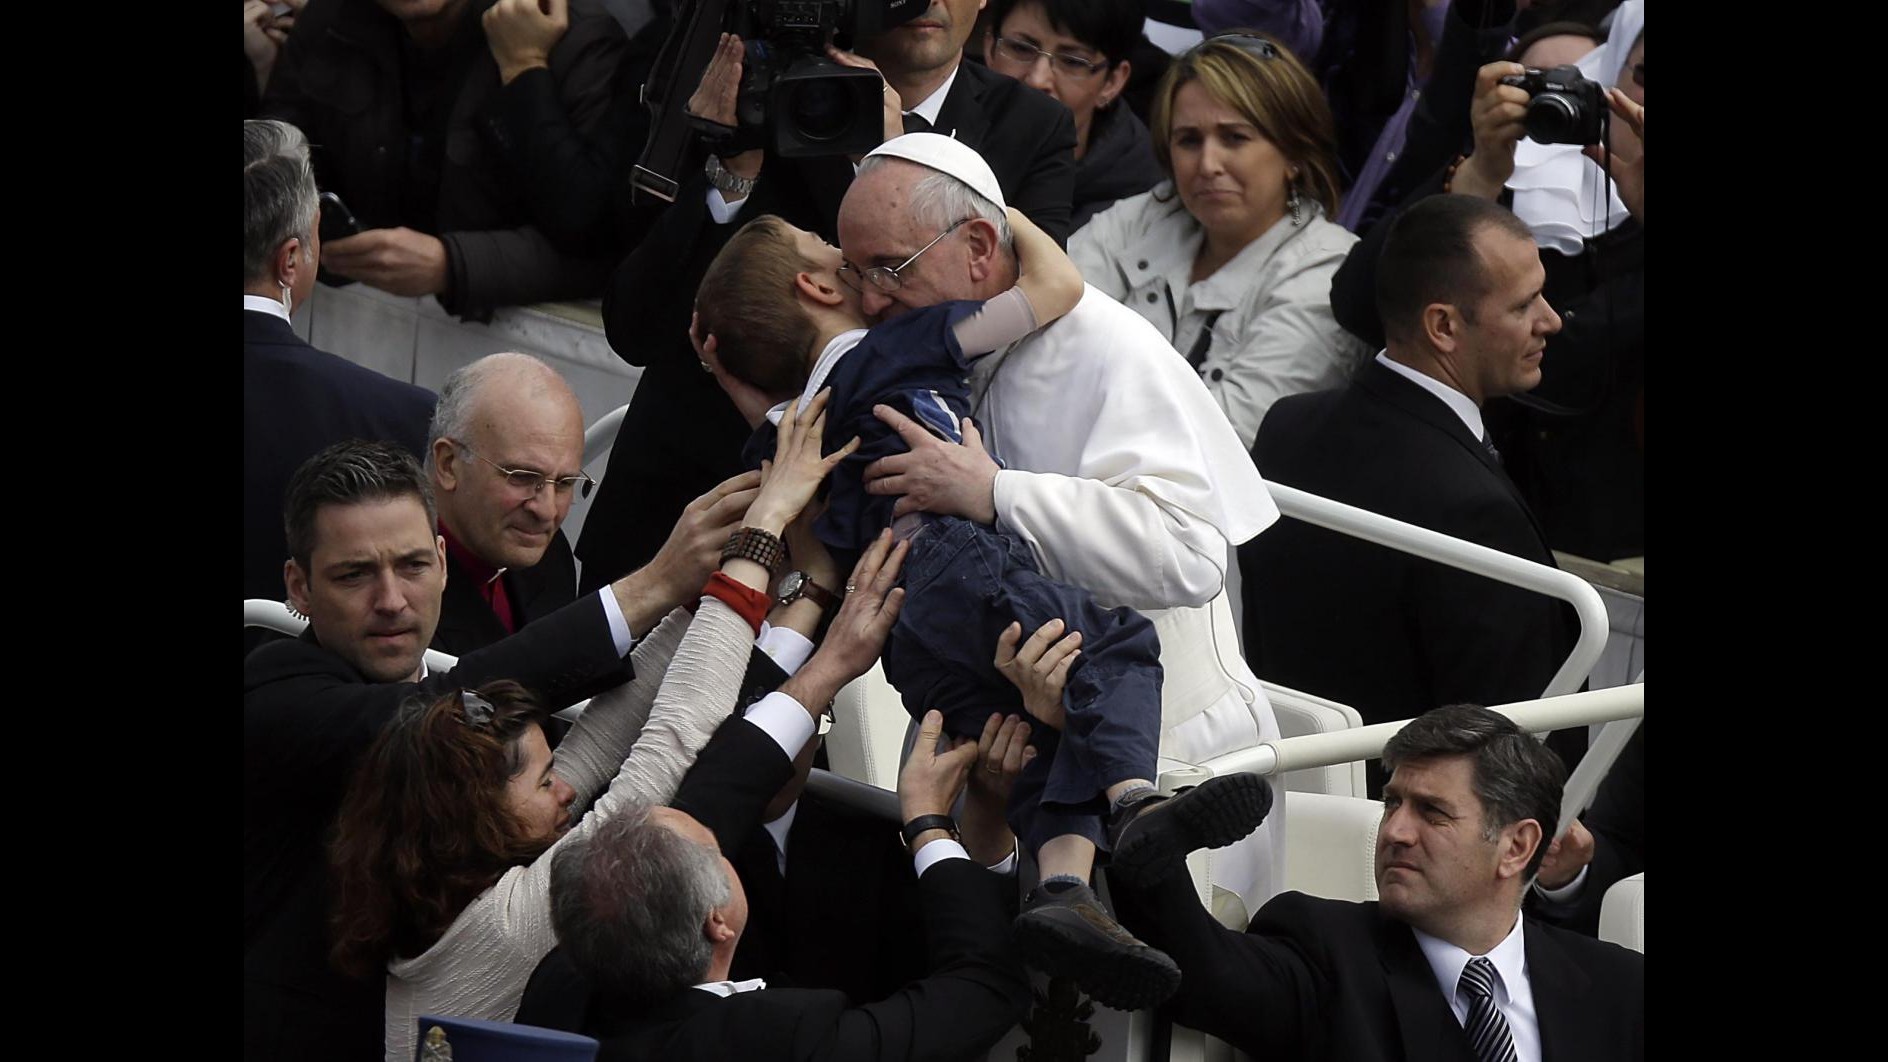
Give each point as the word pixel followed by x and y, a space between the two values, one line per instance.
pixel 1298 24
pixel 1390 141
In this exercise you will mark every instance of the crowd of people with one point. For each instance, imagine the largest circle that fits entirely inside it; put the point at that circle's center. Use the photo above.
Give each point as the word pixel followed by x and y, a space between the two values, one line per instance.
pixel 993 404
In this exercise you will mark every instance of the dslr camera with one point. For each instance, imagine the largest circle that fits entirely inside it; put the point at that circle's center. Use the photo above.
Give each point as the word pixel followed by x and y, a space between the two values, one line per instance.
pixel 1563 107
pixel 792 100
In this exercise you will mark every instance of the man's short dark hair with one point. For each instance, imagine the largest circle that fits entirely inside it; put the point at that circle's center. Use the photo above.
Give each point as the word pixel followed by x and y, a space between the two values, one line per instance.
pixel 1430 256
pixel 1515 776
pixel 1111 27
pixel 628 902
pixel 349 473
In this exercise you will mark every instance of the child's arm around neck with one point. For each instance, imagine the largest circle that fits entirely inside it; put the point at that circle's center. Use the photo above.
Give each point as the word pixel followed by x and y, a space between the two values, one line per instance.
pixel 1048 286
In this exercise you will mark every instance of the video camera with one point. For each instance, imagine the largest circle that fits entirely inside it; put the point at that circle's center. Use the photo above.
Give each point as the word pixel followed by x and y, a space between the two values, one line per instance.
pixel 1564 107
pixel 792 101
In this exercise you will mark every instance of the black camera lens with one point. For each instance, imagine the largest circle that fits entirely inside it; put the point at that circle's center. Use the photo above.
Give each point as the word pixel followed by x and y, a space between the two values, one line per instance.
pixel 1554 119
pixel 819 109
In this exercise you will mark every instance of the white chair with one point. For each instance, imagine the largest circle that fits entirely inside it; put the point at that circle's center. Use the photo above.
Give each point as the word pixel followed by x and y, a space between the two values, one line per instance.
pixel 867 741
pixel 1331 846
pixel 1301 713
pixel 1622 913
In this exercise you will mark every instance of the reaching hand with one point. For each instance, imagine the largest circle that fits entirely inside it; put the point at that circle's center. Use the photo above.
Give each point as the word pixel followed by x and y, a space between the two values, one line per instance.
pixel 864 620
pixel 1498 115
pixel 1565 857
pixel 521 34
pixel 264 34
pixel 401 261
pixel 788 481
pixel 930 781
pixel 720 84
pixel 1002 752
pixel 1040 668
pixel 751 401
pixel 693 550
pixel 935 476
pixel 894 106
pixel 1628 156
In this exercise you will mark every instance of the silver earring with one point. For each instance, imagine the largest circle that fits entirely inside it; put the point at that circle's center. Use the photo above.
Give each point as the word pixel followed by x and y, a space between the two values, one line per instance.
pixel 1292 201
pixel 288 301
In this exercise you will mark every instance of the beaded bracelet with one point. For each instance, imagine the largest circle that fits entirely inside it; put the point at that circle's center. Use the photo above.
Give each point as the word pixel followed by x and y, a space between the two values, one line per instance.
pixel 762 547
pixel 748 603
pixel 1448 182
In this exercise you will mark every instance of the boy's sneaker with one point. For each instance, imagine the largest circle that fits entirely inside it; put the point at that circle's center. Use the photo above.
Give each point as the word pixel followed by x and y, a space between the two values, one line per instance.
pixel 1152 835
pixel 1070 934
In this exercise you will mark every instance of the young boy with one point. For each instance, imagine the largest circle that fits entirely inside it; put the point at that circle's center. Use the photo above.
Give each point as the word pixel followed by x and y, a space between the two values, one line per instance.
pixel 783 308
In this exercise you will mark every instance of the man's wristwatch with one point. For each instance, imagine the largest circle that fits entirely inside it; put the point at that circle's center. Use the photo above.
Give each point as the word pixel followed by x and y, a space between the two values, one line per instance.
pixel 798 584
pixel 732 185
pixel 928 822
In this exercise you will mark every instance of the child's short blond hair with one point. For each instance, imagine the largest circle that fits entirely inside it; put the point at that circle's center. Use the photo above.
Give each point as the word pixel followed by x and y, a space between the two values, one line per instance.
pixel 747 302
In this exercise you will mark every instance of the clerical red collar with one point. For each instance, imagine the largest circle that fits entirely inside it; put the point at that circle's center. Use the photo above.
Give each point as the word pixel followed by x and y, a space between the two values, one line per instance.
pixel 481 572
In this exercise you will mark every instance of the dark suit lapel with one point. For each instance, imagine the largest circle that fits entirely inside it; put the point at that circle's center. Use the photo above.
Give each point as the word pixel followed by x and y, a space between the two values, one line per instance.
pixel 1560 999
pixel 546 586
pixel 1430 1031
pixel 465 618
pixel 1405 395
pixel 961 117
pixel 827 179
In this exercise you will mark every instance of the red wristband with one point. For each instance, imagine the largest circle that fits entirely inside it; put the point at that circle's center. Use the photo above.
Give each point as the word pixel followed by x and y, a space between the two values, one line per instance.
pixel 750 604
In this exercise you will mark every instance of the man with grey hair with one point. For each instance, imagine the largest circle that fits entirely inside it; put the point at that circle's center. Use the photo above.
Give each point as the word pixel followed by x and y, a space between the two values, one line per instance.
pixel 296 399
pixel 1443 965
pixel 649 913
pixel 505 456
pixel 1118 468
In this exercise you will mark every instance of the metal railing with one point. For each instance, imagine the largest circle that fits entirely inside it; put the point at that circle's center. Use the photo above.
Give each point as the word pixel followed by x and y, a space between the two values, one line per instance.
pixel 599 437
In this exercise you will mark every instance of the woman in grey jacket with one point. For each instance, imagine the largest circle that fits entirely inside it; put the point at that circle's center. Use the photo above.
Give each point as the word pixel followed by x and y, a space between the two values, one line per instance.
pixel 1231 257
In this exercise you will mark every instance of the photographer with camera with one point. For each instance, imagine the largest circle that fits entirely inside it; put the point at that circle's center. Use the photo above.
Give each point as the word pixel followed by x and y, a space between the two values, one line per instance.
pixel 680 435
pixel 1575 445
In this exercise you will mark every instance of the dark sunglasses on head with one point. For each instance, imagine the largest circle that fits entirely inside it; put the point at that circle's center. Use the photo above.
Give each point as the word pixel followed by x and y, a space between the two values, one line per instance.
pixel 1249 43
pixel 474 709
pixel 1638 74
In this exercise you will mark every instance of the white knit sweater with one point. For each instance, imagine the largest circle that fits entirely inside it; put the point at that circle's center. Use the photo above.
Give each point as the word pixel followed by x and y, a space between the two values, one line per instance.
pixel 478 969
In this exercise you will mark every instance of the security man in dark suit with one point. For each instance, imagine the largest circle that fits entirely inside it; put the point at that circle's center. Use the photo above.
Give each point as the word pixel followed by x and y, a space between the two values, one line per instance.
pixel 1390 634
pixel 1443 967
pixel 681 433
pixel 296 399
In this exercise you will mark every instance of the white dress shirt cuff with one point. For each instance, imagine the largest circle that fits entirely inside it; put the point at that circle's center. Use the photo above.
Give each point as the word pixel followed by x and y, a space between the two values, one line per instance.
pixel 720 209
pixel 784 646
pixel 1008 866
pixel 784 720
pixel 1566 893
pixel 937 852
pixel 619 627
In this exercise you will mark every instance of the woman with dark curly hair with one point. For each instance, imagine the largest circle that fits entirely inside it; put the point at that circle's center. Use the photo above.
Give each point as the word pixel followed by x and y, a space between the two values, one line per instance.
pixel 442 848
pixel 1231 257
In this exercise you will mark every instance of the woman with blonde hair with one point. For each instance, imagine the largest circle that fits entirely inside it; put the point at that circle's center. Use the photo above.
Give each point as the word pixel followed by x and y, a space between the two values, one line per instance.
pixel 1231 256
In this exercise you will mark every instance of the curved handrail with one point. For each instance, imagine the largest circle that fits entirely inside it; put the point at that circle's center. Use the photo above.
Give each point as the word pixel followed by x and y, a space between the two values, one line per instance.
pixel 1469 557
pixel 599 437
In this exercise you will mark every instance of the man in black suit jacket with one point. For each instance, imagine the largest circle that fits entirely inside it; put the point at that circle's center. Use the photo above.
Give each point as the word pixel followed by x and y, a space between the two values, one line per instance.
pixel 368 570
pixel 1443 967
pixel 681 433
pixel 296 399
pixel 661 964
pixel 1387 633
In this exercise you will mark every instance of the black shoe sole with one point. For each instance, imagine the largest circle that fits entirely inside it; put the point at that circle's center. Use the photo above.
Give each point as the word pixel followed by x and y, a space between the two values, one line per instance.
pixel 1114 976
pixel 1213 814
